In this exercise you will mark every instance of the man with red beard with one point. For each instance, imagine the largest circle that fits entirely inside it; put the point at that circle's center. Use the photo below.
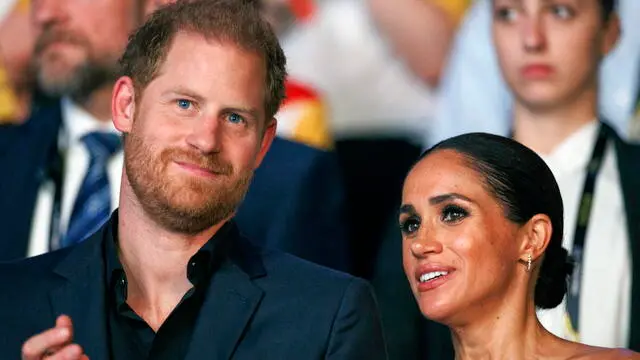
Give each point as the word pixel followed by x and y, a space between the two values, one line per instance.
pixel 170 276
pixel 65 163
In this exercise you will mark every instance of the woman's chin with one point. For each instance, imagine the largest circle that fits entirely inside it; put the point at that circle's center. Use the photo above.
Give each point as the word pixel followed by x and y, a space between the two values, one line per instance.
pixel 438 310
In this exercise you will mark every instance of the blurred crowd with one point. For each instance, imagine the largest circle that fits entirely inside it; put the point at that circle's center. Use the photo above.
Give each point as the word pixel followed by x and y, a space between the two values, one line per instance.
pixel 371 82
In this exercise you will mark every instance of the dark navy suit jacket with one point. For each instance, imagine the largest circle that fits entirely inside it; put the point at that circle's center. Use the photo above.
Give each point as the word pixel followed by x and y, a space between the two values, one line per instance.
pixel 260 304
pixel 295 202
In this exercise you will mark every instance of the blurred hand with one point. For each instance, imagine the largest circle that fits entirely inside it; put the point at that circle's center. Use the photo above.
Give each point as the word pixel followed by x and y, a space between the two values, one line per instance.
pixel 54 344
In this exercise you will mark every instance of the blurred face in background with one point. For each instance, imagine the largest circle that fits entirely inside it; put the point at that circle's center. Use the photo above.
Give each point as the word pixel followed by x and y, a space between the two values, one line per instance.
pixel 549 50
pixel 79 42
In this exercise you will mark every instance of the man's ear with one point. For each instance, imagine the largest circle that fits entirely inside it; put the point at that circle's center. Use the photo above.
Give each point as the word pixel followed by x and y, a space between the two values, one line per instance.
pixel 267 140
pixel 536 236
pixel 123 104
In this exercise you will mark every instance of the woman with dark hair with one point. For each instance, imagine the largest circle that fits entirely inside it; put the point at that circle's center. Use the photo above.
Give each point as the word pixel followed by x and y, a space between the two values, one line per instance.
pixel 550 53
pixel 482 225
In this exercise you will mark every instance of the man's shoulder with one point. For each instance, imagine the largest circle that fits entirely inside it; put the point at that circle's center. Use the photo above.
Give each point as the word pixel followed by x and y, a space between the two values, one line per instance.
pixel 39 263
pixel 299 275
pixel 31 270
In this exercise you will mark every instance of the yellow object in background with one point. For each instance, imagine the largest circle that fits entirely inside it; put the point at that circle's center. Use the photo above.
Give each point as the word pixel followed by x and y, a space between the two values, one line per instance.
pixel 23 6
pixel 303 117
pixel 455 8
pixel 9 108
pixel 8 100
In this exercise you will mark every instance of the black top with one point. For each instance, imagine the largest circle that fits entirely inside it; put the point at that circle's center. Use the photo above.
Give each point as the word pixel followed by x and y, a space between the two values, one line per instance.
pixel 130 337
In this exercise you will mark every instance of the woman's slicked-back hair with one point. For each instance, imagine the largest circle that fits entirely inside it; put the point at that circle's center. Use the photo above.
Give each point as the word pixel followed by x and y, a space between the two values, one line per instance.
pixel 524 186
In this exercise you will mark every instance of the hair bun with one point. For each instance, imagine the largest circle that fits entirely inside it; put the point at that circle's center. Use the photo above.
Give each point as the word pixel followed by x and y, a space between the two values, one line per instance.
pixel 553 281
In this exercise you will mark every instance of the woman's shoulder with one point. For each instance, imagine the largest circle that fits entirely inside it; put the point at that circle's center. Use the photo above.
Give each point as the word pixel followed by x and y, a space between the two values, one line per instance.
pixel 585 352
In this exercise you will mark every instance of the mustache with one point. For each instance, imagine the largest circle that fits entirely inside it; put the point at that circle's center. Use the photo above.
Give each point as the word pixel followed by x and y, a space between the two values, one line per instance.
pixel 212 163
pixel 51 35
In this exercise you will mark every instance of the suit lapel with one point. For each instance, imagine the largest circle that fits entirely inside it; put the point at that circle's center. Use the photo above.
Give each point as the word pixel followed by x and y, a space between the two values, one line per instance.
pixel 82 296
pixel 230 303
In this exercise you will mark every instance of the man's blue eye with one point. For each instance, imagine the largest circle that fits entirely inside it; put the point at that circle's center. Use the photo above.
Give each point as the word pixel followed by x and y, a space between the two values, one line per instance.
pixel 184 104
pixel 235 118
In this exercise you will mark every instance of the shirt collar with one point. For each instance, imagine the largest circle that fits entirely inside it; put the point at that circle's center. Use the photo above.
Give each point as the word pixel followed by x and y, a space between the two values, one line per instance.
pixel 78 122
pixel 575 151
pixel 200 266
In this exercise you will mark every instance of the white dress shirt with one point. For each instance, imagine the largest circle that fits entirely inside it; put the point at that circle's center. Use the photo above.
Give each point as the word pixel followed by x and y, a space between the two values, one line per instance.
pixel 606 282
pixel 76 123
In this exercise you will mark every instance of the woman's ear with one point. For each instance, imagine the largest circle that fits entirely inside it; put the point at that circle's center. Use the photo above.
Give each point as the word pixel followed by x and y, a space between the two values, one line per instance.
pixel 535 239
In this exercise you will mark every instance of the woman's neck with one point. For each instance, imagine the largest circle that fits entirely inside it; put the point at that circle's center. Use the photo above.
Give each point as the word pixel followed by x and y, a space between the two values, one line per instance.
pixel 542 130
pixel 503 326
pixel 511 334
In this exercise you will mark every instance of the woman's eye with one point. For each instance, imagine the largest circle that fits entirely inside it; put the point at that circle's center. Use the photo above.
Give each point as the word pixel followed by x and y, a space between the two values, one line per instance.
pixel 184 104
pixel 505 14
pixel 453 214
pixel 235 118
pixel 410 225
pixel 562 11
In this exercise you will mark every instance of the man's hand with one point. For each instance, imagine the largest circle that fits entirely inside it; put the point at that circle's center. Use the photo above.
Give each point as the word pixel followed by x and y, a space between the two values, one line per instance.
pixel 54 344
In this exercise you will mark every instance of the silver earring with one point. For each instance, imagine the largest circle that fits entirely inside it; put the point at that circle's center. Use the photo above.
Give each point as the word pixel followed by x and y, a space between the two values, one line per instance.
pixel 529 259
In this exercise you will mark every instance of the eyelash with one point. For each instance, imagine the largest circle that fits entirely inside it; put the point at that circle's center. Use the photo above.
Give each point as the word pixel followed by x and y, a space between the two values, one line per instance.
pixel 406 224
pixel 502 13
pixel 554 9
pixel 188 102
pixel 453 214
pixel 242 120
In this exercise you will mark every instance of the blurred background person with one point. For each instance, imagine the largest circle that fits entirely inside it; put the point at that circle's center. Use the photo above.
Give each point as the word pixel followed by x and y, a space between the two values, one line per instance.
pixel 474 96
pixel 65 160
pixel 482 227
pixel 550 54
pixel 17 82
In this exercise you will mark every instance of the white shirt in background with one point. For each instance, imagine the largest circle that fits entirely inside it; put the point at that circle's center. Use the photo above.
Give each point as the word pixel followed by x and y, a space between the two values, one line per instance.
pixel 369 90
pixel 76 123
pixel 606 283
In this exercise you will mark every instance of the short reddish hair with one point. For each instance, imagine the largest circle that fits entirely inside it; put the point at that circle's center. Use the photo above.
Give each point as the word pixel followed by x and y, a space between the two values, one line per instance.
pixel 235 21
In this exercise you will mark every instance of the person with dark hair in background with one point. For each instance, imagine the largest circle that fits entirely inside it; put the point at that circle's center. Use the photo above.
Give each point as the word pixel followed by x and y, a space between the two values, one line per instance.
pixel 550 54
pixel 68 139
pixel 170 276
pixel 482 226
